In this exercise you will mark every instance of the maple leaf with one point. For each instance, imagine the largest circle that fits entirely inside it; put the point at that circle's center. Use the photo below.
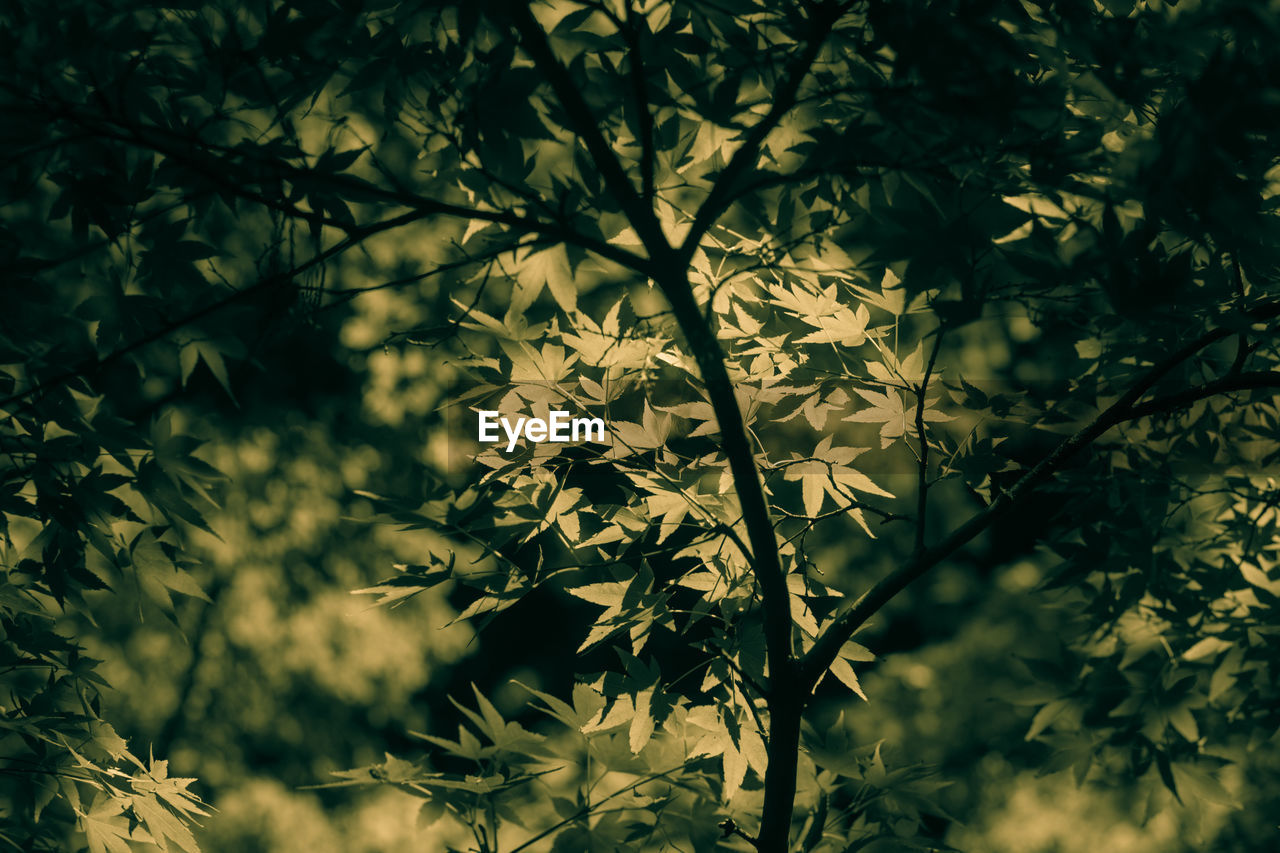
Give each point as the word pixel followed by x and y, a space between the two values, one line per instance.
pixel 743 325
pixel 549 364
pixel 801 302
pixel 888 410
pixel 905 374
pixel 737 742
pixel 696 411
pixel 549 268
pixel 650 434
pixel 587 703
pixel 836 323
pixel 829 473
pixel 605 345
pixel 106 829
pixel 511 328
pixel 504 735
pixel 841 669
pixel 671 508
pixel 818 406
pixel 892 296
pixel 845 327
pixel 627 606
pixel 642 724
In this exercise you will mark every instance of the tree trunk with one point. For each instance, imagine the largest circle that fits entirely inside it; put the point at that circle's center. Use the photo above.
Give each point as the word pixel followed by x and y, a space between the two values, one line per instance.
pixel 786 705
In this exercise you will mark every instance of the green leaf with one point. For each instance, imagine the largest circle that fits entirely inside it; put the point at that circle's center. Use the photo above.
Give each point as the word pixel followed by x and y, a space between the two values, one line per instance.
pixel 158 574
pixel 211 356
pixel 840 669
pixel 642 724
pixel 163 825
pixel 549 268
pixel 411 580
pixel 1199 785
pixel 105 828
pixel 1045 717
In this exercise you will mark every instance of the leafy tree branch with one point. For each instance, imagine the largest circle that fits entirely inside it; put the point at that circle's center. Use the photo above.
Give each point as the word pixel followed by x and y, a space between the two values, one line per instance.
pixel 823 18
pixel 88 369
pixel 1126 407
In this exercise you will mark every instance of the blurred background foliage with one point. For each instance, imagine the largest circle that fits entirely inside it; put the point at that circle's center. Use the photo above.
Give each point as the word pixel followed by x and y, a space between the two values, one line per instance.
pixel 286 676
pixel 294 398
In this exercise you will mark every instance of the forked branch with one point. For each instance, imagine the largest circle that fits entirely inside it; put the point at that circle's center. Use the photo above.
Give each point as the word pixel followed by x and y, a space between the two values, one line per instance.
pixel 1126 408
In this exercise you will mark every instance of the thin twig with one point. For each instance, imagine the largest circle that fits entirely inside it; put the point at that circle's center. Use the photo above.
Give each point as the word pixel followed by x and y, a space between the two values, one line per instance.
pixel 1242 343
pixel 922 488
pixel 587 810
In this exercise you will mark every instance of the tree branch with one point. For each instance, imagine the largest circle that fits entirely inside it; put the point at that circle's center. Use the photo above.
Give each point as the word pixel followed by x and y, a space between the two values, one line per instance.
pixel 90 367
pixel 344 295
pixel 588 809
pixel 745 157
pixel 644 118
pixel 1227 384
pixel 922 487
pixel 669 273
pixel 534 40
pixel 728 828
pixel 785 700
pixel 742 465
pixel 828 644
pixel 188 150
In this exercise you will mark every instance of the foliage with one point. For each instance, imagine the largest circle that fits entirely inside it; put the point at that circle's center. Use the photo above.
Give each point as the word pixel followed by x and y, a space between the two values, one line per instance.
pixel 911 277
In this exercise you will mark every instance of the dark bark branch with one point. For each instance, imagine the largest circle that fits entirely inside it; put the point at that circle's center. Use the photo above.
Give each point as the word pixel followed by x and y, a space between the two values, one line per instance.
pixel 344 295
pixel 227 181
pixel 1126 408
pixel 534 40
pixel 91 367
pixel 723 190
pixel 922 486
pixel 730 828
pixel 785 701
pixel 640 94
pixel 1228 384
pixel 188 149
pixel 742 465
pixel 669 272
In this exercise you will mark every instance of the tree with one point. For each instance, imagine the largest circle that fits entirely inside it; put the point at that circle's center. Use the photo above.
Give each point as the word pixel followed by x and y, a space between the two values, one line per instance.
pixel 898 276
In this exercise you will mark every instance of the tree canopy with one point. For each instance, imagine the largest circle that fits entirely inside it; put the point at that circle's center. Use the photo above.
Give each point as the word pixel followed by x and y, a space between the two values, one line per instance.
pixel 865 293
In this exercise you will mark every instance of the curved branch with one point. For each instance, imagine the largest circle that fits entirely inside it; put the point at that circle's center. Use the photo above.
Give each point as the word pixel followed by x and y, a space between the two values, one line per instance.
pixel 785 700
pixel 639 92
pixel 669 273
pixel 1126 408
pixel 534 40
pixel 784 99
pixel 203 155
pixel 1228 384
pixel 922 486
pixel 92 366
